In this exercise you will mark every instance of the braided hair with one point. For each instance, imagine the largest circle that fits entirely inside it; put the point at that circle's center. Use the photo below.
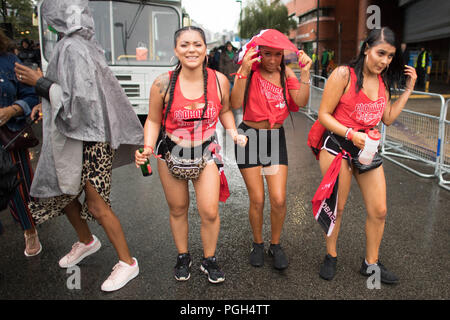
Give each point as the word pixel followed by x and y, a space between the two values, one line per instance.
pixel 176 73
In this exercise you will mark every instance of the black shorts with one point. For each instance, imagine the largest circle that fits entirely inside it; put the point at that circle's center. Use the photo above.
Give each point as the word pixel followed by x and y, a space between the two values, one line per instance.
pixel 264 147
pixel 333 148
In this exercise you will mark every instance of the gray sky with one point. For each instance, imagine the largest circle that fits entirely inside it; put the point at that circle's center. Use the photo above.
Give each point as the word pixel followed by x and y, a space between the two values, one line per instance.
pixel 214 15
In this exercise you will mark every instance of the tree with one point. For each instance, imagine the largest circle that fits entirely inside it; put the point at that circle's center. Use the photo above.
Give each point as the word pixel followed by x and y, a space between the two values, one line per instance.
pixel 19 14
pixel 259 15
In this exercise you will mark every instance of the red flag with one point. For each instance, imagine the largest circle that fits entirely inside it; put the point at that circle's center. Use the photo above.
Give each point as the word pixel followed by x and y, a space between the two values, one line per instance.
pixel 324 202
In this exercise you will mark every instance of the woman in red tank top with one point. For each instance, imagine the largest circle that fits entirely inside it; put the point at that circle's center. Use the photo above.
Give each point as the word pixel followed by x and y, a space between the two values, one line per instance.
pixel 267 91
pixel 185 106
pixel 355 99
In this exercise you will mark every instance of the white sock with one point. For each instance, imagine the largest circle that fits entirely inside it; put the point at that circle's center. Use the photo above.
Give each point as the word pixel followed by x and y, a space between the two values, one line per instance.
pixel 369 264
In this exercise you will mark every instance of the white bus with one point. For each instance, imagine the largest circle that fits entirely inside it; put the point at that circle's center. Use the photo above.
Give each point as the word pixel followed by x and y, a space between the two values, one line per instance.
pixel 137 38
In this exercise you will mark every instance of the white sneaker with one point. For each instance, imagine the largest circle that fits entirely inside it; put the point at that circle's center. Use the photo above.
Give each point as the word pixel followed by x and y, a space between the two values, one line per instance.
pixel 79 252
pixel 122 273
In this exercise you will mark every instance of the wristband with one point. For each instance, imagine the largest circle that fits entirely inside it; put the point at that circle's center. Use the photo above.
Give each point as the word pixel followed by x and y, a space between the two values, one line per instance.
pixel 307 83
pixel 239 76
pixel 43 87
pixel 149 147
pixel 349 134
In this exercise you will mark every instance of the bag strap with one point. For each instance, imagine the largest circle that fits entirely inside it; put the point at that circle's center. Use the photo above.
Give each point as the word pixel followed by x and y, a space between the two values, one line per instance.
pixel 28 125
pixel 164 101
pixel 218 83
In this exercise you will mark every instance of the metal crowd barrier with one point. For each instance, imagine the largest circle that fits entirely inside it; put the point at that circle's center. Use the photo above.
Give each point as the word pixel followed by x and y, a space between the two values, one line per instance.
pixel 315 95
pixel 415 136
pixel 444 165
pixel 416 141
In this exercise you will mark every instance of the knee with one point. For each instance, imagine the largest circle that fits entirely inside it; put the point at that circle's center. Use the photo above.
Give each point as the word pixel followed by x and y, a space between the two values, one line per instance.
pixel 209 215
pixel 177 211
pixel 257 203
pixel 278 203
pixel 339 211
pixel 100 211
pixel 379 213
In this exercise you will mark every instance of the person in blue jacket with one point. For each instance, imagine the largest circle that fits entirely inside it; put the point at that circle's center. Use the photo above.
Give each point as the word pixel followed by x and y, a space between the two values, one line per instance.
pixel 16 103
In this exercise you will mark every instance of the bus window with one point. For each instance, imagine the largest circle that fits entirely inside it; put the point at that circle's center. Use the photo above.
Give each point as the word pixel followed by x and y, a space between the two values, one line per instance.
pixel 150 25
pixel 122 27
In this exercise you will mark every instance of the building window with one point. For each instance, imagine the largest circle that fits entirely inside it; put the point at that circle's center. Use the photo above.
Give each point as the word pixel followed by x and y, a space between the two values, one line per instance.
pixel 323 12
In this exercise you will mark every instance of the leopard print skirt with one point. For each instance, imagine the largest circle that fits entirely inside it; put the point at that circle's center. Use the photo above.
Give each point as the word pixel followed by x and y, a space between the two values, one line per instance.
pixel 97 169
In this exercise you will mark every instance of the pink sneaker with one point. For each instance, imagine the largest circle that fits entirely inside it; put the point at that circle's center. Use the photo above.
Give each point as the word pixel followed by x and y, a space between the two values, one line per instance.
pixel 32 245
pixel 79 252
pixel 122 273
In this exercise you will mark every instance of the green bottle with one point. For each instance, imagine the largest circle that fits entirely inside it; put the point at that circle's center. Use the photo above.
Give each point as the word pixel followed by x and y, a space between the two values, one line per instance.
pixel 145 168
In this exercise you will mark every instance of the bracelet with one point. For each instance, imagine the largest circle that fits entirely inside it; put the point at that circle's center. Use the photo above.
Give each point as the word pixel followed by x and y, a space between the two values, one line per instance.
pixel 349 134
pixel 149 147
pixel 17 111
pixel 307 83
pixel 239 76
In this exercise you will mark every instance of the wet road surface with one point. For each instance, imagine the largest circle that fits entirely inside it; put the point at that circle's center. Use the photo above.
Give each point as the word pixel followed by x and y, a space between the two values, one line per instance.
pixel 415 244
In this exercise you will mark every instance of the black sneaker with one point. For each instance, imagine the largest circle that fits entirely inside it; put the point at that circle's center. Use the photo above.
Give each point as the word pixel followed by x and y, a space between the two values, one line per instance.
pixel 257 255
pixel 182 268
pixel 328 267
pixel 280 261
pixel 210 267
pixel 386 276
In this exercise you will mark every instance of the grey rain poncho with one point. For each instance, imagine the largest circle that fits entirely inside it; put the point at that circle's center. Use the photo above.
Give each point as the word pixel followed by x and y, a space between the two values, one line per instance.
pixel 86 103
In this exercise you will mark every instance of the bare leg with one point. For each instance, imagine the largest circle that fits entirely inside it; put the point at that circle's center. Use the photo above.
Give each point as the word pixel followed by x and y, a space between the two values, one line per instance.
pixel 373 188
pixel 177 196
pixel 276 184
pixel 103 213
pixel 207 188
pixel 255 187
pixel 72 211
pixel 345 177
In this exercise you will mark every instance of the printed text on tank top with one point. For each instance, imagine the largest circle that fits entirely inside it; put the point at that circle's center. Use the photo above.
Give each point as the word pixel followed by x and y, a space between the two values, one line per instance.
pixel 185 114
pixel 356 110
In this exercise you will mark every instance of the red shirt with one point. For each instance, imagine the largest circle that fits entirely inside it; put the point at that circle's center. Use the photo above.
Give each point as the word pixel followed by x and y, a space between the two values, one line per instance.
pixel 356 110
pixel 266 100
pixel 185 114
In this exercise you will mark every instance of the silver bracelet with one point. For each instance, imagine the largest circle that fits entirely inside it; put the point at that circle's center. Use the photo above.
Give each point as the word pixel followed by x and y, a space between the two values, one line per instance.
pixel 308 83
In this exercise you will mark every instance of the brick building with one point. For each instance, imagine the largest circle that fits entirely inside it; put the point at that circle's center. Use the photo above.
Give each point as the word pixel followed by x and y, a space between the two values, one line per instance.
pixel 342 25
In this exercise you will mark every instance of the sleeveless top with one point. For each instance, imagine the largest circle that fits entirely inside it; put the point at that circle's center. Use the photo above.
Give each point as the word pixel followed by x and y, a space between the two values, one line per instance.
pixel 185 114
pixel 266 100
pixel 355 110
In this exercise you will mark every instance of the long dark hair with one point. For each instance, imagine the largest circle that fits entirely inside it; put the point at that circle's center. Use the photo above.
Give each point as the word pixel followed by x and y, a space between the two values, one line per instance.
pixel 282 80
pixel 176 72
pixel 392 74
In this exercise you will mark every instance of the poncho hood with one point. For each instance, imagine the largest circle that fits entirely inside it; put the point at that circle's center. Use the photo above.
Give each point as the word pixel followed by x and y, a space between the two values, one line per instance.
pixel 68 16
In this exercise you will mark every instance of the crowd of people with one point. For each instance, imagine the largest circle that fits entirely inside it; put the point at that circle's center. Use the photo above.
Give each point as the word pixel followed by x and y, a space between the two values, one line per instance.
pixel 185 107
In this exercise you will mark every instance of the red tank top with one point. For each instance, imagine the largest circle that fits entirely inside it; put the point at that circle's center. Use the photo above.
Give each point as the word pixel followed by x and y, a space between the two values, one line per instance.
pixel 266 100
pixel 355 110
pixel 185 114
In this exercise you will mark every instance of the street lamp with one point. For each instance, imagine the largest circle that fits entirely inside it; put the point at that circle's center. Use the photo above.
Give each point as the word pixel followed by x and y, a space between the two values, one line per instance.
pixel 240 18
